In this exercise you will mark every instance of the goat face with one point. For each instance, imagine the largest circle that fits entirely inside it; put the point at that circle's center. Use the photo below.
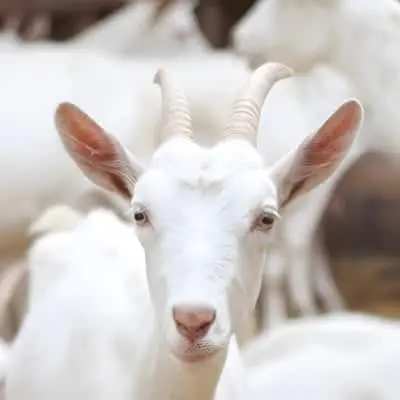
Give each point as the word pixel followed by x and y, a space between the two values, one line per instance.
pixel 205 215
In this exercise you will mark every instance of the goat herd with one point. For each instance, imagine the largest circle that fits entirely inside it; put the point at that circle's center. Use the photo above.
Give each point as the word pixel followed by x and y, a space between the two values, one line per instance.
pixel 203 190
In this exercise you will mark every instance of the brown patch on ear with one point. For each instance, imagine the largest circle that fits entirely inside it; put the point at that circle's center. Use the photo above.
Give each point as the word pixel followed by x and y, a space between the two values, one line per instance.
pixel 82 135
pixel 89 143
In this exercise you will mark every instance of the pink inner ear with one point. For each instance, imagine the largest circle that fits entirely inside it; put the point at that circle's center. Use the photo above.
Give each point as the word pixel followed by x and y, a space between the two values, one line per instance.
pixel 90 145
pixel 332 139
pixel 83 137
pixel 325 149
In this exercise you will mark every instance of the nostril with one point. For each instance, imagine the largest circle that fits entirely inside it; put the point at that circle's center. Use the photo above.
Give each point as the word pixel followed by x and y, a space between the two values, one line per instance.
pixel 193 322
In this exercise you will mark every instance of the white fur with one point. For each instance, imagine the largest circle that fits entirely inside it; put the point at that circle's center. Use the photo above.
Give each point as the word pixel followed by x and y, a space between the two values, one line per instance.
pixel 322 373
pixel 57 218
pixel 344 356
pixel 14 280
pixel 343 331
pixel 51 232
pixel 133 30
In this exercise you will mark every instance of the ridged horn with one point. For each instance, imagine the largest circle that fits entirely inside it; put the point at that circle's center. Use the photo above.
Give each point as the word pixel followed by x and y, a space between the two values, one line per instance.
pixel 176 118
pixel 246 109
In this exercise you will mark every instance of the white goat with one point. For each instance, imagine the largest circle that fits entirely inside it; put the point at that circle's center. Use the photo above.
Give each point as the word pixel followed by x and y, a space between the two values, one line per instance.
pixel 14 280
pixel 204 229
pixel 346 36
pixel 344 356
pixel 135 29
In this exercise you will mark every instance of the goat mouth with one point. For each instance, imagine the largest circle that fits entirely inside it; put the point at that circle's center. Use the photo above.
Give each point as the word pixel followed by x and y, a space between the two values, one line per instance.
pixel 196 356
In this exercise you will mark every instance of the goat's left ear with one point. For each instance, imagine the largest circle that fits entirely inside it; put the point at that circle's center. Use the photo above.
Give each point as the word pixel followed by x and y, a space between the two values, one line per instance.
pixel 98 154
pixel 319 155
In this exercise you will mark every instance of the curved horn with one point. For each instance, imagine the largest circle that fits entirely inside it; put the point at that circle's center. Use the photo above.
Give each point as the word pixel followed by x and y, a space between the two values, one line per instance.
pixel 246 109
pixel 176 117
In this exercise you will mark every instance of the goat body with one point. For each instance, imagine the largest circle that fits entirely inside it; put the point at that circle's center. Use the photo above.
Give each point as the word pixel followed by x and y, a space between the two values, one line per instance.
pixel 344 356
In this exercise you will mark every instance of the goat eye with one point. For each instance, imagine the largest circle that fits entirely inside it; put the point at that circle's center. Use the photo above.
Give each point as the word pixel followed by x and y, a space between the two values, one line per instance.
pixel 140 217
pixel 265 221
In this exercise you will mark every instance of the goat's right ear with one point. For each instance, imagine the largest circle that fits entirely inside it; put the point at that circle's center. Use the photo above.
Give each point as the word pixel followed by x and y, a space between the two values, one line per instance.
pixel 98 154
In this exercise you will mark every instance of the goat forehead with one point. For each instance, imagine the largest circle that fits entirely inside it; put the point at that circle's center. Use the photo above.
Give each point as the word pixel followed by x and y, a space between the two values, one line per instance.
pixel 229 178
pixel 188 163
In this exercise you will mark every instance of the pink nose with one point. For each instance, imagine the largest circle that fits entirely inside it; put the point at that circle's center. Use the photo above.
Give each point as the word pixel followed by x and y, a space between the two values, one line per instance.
pixel 193 323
